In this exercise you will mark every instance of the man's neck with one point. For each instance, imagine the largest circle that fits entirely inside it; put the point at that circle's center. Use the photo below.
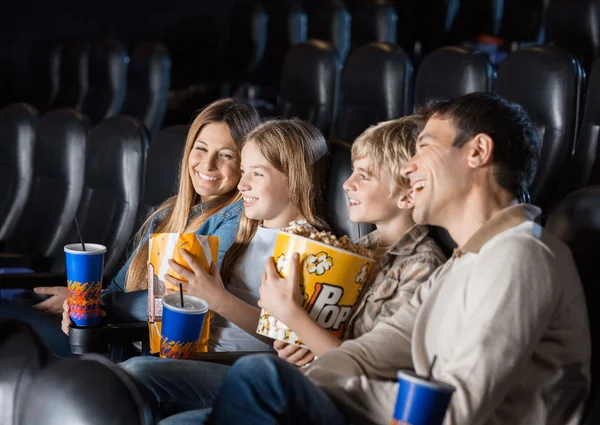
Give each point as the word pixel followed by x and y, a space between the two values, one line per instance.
pixel 391 231
pixel 469 216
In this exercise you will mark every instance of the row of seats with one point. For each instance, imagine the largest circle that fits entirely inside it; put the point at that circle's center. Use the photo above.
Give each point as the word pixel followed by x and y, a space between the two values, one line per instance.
pixel 100 79
pixel 111 178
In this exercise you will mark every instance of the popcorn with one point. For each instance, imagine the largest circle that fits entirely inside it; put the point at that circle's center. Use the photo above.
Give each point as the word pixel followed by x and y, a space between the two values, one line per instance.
pixel 328 238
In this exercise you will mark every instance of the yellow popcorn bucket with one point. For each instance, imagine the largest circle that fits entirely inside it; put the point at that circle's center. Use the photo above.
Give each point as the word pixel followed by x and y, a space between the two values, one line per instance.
pixel 161 248
pixel 330 282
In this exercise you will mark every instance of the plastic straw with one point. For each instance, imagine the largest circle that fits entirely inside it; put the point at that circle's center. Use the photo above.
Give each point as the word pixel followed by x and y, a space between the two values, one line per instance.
pixel 181 295
pixel 431 368
pixel 79 232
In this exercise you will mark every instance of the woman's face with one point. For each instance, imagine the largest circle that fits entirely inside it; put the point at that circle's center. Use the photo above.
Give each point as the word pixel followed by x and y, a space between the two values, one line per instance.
pixel 214 164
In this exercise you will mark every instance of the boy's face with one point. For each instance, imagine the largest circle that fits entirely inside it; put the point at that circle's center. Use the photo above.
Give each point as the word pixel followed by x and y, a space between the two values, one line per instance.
pixel 369 197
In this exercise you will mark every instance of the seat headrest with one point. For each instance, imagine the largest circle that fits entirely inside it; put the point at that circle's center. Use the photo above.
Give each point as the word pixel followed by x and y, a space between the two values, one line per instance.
pixel 22 356
pixel 90 390
pixel 548 82
pixel 450 72
pixel 376 86
pixel 108 63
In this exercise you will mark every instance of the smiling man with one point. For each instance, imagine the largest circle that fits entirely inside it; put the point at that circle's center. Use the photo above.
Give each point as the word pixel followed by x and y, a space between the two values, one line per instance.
pixel 505 316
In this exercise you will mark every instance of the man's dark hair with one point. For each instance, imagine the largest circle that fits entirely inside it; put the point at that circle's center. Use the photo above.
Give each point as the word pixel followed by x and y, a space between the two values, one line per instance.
pixel 516 141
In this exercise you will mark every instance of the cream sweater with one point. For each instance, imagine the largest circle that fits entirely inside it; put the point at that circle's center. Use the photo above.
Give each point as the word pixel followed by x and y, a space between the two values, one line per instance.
pixel 507 320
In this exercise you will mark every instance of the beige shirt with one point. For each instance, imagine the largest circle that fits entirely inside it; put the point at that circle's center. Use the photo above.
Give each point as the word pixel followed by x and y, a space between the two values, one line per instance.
pixel 507 320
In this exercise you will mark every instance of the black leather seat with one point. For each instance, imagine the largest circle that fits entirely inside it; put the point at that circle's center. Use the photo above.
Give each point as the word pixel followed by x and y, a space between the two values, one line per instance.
pixel 18 126
pixel 148 85
pixel 309 84
pixel 523 21
pixel 548 82
pixel 89 391
pixel 330 20
pixel 373 20
pixel 584 169
pixel 162 168
pixel 339 169
pixel 22 355
pixel 73 81
pixel 576 221
pixel 58 175
pixel 451 72
pixel 376 86
pixel 286 27
pixel 108 62
pixel 246 43
pixel 575 26
pixel 474 18
pixel 114 169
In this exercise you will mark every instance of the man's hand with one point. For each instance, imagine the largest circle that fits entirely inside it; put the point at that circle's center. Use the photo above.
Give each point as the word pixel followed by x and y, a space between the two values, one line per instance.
pixel 294 354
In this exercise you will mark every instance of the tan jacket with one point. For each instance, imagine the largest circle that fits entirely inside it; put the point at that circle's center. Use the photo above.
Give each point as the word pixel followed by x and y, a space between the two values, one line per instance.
pixel 507 320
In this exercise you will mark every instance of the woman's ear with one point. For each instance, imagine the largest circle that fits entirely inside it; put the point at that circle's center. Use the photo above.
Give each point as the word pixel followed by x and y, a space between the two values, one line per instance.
pixel 406 200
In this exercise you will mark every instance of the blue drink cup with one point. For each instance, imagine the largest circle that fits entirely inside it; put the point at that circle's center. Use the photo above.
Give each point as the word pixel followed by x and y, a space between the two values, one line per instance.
pixel 181 327
pixel 421 401
pixel 84 278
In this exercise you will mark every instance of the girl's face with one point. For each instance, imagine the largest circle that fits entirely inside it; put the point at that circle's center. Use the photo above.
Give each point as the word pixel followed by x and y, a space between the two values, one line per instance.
pixel 214 165
pixel 265 189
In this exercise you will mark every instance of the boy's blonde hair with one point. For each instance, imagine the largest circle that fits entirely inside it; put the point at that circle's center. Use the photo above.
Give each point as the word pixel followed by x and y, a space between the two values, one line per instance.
pixel 389 144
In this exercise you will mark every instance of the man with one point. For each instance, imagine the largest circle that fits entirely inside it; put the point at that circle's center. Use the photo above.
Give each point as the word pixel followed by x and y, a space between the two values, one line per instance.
pixel 505 316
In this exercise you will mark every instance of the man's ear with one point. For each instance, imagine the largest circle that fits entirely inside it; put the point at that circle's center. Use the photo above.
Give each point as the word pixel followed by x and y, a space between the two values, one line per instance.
pixel 481 148
pixel 406 200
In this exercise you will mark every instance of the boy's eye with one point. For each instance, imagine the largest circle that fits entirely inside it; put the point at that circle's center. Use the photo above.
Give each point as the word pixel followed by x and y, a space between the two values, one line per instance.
pixel 364 177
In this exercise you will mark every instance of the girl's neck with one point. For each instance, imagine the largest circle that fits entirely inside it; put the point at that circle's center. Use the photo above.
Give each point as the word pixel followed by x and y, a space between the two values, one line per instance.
pixel 282 220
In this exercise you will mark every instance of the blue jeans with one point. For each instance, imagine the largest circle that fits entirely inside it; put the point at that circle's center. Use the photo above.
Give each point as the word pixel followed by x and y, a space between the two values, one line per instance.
pixel 177 385
pixel 266 390
pixel 45 325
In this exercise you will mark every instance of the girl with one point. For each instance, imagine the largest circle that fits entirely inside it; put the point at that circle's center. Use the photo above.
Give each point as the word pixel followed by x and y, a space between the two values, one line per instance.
pixel 279 184
pixel 406 256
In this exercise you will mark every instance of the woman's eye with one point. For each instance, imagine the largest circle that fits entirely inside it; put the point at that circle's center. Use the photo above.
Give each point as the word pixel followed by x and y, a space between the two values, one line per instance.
pixel 200 148
pixel 227 156
pixel 257 174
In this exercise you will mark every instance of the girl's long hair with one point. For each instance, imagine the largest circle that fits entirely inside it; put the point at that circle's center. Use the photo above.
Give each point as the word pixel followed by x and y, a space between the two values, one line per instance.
pixel 293 147
pixel 240 119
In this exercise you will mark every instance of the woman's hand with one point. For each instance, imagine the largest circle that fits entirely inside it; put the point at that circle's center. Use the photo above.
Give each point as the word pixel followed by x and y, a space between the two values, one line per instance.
pixel 293 354
pixel 66 318
pixel 209 287
pixel 281 296
pixel 54 304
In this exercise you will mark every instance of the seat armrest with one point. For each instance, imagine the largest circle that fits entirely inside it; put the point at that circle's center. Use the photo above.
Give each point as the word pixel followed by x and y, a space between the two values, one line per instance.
pixel 96 339
pixel 31 280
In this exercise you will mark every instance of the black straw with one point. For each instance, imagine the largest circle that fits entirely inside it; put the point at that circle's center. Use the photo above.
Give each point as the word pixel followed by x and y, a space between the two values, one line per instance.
pixel 79 232
pixel 431 368
pixel 181 295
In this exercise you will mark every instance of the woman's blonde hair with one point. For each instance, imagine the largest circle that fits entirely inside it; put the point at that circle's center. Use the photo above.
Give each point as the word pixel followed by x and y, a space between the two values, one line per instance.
pixel 293 147
pixel 240 119
pixel 389 144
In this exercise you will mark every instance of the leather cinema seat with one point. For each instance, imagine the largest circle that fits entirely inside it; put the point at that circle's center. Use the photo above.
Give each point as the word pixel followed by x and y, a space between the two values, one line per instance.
pixel 22 356
pixel 108 62
pixel 450 72
pixel 114 170
pixel 376 86
pixel 373 20
pixel 58 179
pixel 148 85
pixel 330 20
pixel 18 125
pixel 339 169
pixel 88 391
pixel 309 84
pixel 576 221
pixel 548 82
pixel 162 168
pixel 575 26
pixel 73 81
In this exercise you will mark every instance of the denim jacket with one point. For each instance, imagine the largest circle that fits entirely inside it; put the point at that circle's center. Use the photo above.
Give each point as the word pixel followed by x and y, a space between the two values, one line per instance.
pixel 122 306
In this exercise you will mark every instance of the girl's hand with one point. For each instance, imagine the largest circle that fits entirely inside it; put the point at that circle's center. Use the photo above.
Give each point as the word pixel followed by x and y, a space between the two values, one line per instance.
pixel 54 304
pixel 294 354
pixel 281 296
pixel 209 287
pixel 66 319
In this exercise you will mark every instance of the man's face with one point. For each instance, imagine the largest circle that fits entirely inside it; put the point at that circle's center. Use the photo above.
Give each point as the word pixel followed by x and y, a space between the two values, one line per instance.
pixel 438 173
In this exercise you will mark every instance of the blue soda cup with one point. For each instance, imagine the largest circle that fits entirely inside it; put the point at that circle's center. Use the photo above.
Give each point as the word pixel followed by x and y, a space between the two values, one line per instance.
pixel 421 401
pixel 181 327
pixel 84 279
